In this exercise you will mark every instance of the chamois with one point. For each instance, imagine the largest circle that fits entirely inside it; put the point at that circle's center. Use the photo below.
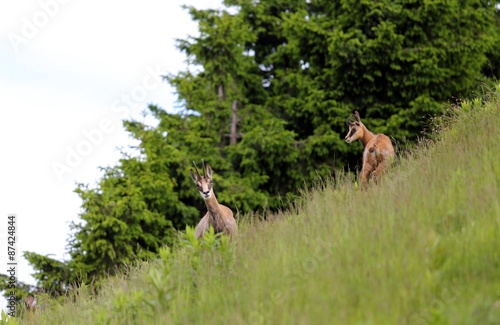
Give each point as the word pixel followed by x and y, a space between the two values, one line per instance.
pixel 378 152
pixel 218 216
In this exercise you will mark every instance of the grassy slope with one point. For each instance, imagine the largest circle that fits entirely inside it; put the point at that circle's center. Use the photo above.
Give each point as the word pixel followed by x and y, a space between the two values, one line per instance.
pixel 422 247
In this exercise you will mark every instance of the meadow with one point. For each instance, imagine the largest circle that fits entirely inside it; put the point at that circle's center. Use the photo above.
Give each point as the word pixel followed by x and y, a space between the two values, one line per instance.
pixel 421 247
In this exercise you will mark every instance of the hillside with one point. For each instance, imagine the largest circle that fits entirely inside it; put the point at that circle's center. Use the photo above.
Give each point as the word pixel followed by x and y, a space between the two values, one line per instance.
pixel 423 247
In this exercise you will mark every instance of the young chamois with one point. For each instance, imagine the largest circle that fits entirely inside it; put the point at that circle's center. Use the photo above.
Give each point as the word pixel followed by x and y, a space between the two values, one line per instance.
pixel 218 216
pixel 378 152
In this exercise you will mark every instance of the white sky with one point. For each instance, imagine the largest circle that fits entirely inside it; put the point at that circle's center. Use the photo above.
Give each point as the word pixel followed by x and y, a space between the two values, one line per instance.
pixel 66 68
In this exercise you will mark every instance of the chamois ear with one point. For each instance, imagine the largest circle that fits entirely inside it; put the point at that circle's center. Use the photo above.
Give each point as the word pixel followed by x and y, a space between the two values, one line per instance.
pixel 208 171
pixel 194 177
pixel 356 116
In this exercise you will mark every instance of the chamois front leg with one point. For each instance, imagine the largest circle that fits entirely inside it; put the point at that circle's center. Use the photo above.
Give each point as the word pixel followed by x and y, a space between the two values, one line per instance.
pixel 369 165
pixel 366 172
pixel 203 226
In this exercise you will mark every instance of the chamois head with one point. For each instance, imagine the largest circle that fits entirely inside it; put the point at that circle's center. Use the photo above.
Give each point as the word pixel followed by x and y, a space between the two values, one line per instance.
pixel 355 128
pixel 204 184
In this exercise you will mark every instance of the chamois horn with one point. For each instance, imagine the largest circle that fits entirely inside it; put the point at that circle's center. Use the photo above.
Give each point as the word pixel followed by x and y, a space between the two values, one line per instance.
pixel 349 121
pixel 203 167
pixel 196 167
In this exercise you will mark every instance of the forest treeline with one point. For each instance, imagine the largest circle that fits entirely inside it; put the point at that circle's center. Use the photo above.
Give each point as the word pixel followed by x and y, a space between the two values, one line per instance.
pixel 264 100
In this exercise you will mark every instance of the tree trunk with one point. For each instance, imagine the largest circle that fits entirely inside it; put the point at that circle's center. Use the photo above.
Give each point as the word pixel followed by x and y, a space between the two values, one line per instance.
pixel 233 136
pixel 220 92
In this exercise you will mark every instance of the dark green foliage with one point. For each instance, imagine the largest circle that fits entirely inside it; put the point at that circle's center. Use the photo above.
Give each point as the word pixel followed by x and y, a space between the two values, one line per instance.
pixel 492 68
pixel 52 275
pixel 264 100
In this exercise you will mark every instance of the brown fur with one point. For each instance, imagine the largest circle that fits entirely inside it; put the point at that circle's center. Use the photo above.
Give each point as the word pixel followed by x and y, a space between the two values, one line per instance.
pixel 378 152
pixel 219 216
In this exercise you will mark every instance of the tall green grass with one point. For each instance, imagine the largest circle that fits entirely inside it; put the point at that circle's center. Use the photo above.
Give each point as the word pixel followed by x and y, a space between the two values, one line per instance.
pixel 422 247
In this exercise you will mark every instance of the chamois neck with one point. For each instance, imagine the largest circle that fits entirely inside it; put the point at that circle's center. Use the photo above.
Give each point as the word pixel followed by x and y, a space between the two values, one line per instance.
pixel 367 136
pixel 213 207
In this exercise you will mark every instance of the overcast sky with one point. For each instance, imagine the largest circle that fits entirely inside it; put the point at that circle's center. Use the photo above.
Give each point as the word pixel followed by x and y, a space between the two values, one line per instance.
pixel 70 71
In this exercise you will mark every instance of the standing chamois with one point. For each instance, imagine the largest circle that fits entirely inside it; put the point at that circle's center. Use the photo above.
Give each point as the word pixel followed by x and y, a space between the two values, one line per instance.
pixel 378 152
pixel 218 216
